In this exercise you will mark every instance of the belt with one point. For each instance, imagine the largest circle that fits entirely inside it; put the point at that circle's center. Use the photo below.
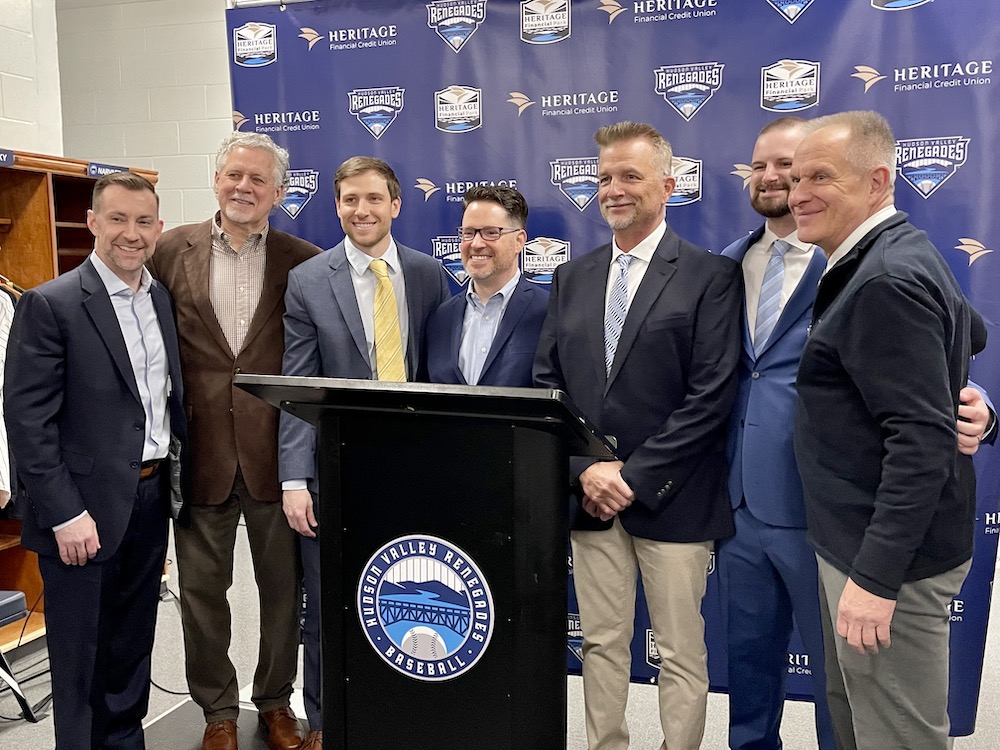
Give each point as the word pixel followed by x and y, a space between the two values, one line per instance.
pixel 150 468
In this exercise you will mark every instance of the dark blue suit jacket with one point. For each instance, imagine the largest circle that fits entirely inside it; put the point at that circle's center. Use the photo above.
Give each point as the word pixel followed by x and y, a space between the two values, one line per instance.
pixel 670 392
pixel 761 454
pixel 508 362
pixel 324 336
pixel 74 418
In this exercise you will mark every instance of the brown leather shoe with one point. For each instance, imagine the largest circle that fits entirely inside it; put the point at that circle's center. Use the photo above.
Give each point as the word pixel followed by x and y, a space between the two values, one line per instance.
pixel 281 728
pixel 313 741
pixel 220 735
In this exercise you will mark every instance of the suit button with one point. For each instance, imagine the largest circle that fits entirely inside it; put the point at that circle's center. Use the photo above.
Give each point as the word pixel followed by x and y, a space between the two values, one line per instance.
pixel 134 464
pixel 138 426
pixel 755 375
pixel 660 494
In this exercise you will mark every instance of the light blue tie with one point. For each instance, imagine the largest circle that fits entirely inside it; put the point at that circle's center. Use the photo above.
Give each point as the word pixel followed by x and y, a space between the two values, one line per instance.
pixel 614 318
pixel 769 304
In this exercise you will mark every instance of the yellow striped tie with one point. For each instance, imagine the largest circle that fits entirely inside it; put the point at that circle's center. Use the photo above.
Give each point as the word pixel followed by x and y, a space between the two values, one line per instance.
pixel 388 341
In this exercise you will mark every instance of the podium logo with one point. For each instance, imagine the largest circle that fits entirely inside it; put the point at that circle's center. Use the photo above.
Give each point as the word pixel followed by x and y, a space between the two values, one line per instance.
pixel 376 109
pixel 255 45
pixel 447 249
pixel 541 256
pixel 687 174
pixel 458 109
pixel 574 635
pixel 927 163
pixel 545 21
pixel 687 88
pixel 897 4
pixel 652 653
pixel 790 10
pixel 455 21
pixel 789 86
pixel 301 187
pixel 576 179
pixel 425 607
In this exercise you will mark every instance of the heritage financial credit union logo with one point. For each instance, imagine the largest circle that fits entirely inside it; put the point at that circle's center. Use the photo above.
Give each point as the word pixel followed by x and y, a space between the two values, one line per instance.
pixel 360 37
pixel 425 607
pixel 942 75
pixel 647 11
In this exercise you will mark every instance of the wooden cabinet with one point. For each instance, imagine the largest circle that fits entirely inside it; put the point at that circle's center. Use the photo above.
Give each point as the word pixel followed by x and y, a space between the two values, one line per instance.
pixel 43 232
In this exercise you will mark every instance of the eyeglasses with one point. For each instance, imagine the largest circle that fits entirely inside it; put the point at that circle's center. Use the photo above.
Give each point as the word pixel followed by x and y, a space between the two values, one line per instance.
pixel 490 234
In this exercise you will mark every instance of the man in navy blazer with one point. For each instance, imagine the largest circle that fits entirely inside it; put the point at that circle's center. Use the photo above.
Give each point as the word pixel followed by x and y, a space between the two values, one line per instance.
pixel 93 394
pixel 488 335
pixel 663 389
pixel 330 332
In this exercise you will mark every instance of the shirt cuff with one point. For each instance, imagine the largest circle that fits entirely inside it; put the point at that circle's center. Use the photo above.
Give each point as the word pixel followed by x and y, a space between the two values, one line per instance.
pixel 294 484
pixel 64 524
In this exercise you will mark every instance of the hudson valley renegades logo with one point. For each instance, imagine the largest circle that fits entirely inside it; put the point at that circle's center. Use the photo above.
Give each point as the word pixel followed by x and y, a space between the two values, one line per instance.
pixel 687 88
pixel 302 186
pixel 790 10
pixel 576 179
pixel 455 21
pixel 925 164
pixel 447 249
pixel 376 109
pixel 425 607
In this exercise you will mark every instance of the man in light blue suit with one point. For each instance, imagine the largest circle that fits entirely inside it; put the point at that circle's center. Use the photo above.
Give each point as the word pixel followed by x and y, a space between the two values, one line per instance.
pixel 488 335
pixel 330 331
pixel 767 570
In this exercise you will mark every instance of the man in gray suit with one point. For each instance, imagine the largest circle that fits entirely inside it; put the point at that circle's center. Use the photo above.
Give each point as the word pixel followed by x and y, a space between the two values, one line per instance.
pixel 356 311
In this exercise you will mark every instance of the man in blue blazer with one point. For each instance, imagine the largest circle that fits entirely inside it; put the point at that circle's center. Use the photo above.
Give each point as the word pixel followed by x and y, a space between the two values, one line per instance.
pixel 488 335
pixel 93 395
pixel 331 331
pixel 768 570
pixel 643 335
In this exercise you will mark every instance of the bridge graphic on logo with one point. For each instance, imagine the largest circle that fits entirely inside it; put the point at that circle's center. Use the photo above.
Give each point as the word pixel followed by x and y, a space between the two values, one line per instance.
pixel 425 607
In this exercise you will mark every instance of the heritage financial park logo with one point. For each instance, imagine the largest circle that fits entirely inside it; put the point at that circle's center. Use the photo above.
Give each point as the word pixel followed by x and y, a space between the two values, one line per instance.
pixel 255 45
pixel 455 21
pixel 545 21
pixel 425 607
pixel 790 10
pixel 898 4
pixel 927 163
pixel 301 186
pixel 376 108
pixel 687 88
pixel 541 256
pixel 687 178
pixel 576 179
pixel 447 249
pixel 789 86
pixel 458 109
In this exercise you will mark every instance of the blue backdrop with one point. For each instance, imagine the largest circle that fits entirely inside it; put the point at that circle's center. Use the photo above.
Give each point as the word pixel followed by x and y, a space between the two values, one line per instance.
pixel 458 92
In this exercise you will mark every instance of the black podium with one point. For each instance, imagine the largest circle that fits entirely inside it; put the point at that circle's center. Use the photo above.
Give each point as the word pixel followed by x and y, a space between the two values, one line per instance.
pixel 443 512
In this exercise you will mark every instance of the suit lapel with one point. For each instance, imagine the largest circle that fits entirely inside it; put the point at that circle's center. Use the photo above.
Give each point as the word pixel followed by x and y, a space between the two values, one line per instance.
pixel 273 290
pixel 595 279
pixel 738 254
pixel 197 259
pixel 803 296
pixel 168 331
pixel 346 299
pixel 99 307
pixel 455 321
pixel 661 268
pixel 508 323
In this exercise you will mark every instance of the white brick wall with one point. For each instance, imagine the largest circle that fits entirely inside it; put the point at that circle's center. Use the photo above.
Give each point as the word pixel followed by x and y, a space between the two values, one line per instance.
pixel 30 116
pixel 145 83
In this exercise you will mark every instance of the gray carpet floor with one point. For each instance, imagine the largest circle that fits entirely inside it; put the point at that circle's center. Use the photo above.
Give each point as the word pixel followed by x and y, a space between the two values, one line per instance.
pixel 173 707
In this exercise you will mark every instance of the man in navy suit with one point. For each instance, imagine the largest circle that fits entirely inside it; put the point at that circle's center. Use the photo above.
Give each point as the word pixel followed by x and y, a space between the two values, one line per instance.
pixel 330 331
pixel 93 395
pixel 768 570
pixel 643 335
pixel 488 335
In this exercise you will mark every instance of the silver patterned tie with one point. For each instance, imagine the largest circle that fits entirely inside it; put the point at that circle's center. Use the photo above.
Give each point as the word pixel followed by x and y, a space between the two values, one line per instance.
pixel 768 306
pixel 614 317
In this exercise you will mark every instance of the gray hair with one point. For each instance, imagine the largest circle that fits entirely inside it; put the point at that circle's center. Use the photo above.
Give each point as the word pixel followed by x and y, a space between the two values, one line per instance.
pixel 870 142
pixel 238 139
